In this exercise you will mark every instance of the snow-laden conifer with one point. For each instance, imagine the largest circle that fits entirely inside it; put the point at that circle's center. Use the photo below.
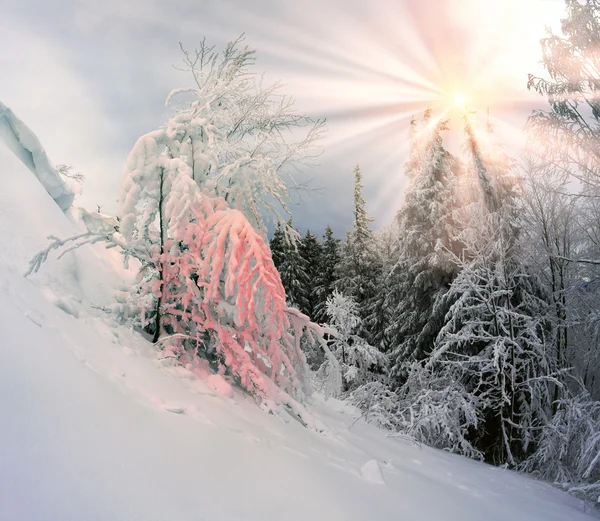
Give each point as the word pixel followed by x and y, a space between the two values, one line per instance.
pixel 423 269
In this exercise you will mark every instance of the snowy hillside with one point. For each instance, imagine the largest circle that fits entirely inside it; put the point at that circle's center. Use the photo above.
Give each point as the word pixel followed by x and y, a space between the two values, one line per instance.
pixel 96 426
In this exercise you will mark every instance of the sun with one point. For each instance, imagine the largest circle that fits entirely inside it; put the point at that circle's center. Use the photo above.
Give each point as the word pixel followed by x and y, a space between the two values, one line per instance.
pixel 460 100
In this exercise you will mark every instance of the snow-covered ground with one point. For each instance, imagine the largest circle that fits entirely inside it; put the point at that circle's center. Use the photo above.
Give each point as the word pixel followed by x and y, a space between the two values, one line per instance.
pixel 95 426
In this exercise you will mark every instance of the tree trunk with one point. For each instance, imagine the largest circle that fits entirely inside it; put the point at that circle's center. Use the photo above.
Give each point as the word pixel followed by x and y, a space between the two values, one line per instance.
pixel 158 314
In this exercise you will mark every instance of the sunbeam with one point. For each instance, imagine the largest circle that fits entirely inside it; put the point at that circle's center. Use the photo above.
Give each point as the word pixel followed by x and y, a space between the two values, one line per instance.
pixel 369 73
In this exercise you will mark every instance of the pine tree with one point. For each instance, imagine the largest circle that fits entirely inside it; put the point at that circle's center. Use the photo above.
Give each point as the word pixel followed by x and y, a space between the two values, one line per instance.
pixel 325 279
pixel 310 250
pixel 344 271
pixel 488 174
pixel 378 311
pixel 357 271
pixel 424 270
pixel 278 245
pixel 363 237
pixel 494 349
pixel 292 267
pixel 493 346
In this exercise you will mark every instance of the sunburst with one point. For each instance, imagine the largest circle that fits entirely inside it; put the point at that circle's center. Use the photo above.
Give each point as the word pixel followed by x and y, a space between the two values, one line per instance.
pixel 370 71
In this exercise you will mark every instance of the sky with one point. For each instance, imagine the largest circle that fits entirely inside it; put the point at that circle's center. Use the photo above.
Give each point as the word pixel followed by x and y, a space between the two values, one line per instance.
pixel 90 77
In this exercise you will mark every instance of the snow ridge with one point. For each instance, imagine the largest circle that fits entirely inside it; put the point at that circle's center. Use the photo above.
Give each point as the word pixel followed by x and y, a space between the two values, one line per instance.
pixel 26 145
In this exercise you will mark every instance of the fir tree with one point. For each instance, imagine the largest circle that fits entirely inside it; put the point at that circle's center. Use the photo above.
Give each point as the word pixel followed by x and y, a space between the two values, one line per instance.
pixel 344 274
pixel 358 269
pixel 492 345
pixel 423 271
pixel 311 252
pixel 292 267
pixel 363 237
pixel 325 279
pixel 378 311
pixel 488 175
pixel 494 351
pixel 278 245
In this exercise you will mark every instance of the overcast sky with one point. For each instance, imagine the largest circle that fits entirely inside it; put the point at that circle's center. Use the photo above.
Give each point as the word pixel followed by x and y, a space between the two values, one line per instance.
pixel 90 77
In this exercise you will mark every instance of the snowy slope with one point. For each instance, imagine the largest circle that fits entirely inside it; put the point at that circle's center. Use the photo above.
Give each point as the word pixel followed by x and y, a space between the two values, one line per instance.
pixel 95 426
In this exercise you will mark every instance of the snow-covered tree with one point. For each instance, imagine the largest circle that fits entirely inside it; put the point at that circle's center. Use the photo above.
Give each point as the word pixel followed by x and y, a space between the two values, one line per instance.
pixel 278 245
pixel 485 335
pixel 239 135
pixel 583 353
pixel 495 346
pixel 311 252
pixel 215 286
pixel 425 219
pixel 488 182
pixel 566 139
pixel 551 225
pixel 562 226
pixel 568 135
pixel 430 408
pixel 378 308
pixel 436 409
pixel 326 275
pixel 357 359
pixel 292 267
pixel 223 292
pixel 357 270
pixel 190 211
pixel 423 270
pixel 568 452
pixel 231 137
pixel 497 342
pixel 357 250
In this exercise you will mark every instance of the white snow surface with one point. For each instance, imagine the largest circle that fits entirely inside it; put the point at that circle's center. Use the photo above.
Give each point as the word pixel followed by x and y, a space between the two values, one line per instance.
pixel 95 426
pixel 371 471
pixel 24 143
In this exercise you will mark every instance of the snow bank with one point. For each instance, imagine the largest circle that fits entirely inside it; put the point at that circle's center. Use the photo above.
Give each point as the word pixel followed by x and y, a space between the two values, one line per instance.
pixel 25 144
